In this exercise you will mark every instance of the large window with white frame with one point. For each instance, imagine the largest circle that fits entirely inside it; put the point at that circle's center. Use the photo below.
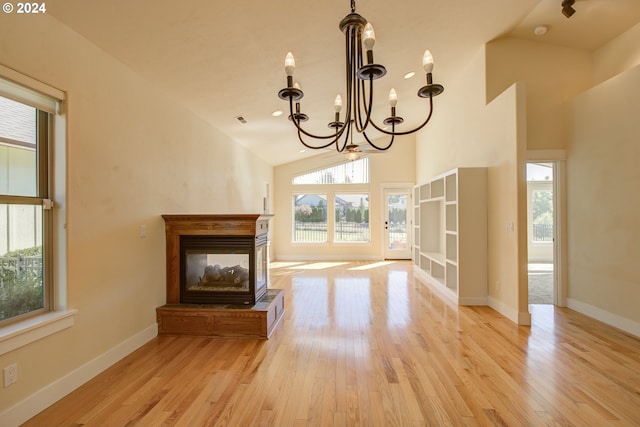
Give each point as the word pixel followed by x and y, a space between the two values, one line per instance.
pixel 339 211
pixel 25 215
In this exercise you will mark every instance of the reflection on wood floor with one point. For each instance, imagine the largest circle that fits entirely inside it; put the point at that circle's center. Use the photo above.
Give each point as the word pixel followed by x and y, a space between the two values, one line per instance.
pixel 366 344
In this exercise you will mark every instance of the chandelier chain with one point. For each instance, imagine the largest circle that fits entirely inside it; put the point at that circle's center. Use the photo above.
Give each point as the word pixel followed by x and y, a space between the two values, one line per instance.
pixel 353 6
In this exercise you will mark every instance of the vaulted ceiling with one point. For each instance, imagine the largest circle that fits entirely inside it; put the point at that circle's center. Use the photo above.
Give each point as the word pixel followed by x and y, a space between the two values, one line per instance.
pixel 225 59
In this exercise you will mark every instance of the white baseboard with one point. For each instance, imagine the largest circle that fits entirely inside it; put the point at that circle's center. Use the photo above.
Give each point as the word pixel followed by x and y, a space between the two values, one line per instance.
pixel 46 396
pixel 474 301
pixel 436 286
pixel 627 325
pixel 503 309
pixel 522 319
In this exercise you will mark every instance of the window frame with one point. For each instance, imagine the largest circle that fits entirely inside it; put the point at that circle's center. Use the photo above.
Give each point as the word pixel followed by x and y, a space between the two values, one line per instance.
pixel 41 198
pixel 57 317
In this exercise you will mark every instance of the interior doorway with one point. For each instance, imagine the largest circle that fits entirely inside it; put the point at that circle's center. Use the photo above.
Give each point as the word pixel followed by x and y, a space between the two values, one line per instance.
pixel 541 232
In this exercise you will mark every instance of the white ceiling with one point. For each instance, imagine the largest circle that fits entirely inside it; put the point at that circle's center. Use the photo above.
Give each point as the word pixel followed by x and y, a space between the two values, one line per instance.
pixel 225 59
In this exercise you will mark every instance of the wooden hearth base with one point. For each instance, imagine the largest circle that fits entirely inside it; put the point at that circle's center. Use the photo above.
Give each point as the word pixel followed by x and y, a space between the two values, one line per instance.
pixel 225 320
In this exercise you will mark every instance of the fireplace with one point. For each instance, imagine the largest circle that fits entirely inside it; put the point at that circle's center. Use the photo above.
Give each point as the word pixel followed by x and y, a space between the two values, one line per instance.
pixel 216 259
pixel 222 269
pixel 217 280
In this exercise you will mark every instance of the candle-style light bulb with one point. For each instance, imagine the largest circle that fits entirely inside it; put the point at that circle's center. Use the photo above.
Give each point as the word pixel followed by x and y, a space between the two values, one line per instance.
pixel 393 98
pixel 297 86
pixel 368 36
pixel 289 64
pixel 337 104
pixel 427 61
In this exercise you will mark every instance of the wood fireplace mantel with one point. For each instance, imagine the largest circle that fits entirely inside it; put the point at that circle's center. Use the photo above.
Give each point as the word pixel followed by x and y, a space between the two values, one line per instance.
pixel 204 225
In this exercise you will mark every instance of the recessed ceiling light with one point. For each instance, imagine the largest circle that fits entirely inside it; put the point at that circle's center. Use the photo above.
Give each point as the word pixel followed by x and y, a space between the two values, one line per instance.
pixel 302 151
pixel 409 74
pixel 540 30
pixel 277 113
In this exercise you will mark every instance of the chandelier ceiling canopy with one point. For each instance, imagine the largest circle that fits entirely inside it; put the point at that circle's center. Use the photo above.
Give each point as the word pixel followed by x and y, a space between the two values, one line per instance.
pixel 361 71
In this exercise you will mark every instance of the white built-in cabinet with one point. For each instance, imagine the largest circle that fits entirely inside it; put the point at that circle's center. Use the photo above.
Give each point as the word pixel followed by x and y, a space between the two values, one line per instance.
pixel 450 233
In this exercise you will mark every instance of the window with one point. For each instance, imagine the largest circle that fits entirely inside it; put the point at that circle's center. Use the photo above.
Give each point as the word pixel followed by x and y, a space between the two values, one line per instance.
pixel 25 217
pixel 352 172
pixel 310 218
pixel 351 218
pixel 540 200
pixel 542 207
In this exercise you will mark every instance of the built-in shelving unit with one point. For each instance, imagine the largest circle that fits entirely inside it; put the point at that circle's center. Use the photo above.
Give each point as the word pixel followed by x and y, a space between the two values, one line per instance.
pixel 450 245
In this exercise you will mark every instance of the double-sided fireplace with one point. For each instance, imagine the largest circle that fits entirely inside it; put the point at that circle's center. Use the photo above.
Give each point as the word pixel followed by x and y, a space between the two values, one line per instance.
pixel 217 274
pixel 216 259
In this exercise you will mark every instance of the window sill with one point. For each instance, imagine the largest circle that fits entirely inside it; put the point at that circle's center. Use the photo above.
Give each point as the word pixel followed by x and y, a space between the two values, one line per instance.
pixel 22 333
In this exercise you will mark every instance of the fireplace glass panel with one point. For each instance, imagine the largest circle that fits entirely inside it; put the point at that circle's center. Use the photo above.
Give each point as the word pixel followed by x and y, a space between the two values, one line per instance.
pixel 261 266
pixel 217 272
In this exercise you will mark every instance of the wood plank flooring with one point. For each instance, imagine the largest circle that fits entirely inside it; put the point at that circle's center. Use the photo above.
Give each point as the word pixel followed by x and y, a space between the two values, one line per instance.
pixel 366 344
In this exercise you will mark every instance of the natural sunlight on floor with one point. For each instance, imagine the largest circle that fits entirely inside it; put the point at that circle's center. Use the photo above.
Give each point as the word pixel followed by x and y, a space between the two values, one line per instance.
pixel 373 265
pixel 318 265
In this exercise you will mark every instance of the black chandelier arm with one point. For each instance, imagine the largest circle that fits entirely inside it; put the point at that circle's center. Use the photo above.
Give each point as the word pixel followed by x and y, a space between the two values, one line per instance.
pixel 352 52
pixel 393 136
pixel 296 122
pixel 336 140
pixel 393 132
pixel 355 81
pixel 313 147
pixel 359 90
pixel 361 85
pixel 346 139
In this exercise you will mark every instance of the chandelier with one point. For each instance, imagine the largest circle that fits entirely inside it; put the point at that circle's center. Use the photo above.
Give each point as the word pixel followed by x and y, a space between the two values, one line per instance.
pixel 360 39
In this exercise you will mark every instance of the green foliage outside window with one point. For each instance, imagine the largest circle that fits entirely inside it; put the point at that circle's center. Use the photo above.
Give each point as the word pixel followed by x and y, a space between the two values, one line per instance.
pixel 21 286
pixel 542 204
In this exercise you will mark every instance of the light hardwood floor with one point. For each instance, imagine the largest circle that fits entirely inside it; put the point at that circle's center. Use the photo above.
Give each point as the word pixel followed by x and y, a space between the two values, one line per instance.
pixel 368 345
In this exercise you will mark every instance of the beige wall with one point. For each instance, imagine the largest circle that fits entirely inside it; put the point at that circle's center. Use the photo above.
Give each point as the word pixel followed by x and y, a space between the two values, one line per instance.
pixel 467 133
pixel 617 56
pixel 395 166
pixel 553 75
pixel 133 154
pixel 603 207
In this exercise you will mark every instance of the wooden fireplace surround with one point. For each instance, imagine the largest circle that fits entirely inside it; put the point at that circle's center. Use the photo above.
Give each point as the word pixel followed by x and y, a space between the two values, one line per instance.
pixel 223 320
pixel 239 225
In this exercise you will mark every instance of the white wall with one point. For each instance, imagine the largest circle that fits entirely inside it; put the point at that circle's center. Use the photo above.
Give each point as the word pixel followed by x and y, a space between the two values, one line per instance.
pixel 133 154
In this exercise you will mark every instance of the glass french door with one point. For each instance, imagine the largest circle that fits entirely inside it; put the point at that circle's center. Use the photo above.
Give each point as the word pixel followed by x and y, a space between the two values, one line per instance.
pixel 397 223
